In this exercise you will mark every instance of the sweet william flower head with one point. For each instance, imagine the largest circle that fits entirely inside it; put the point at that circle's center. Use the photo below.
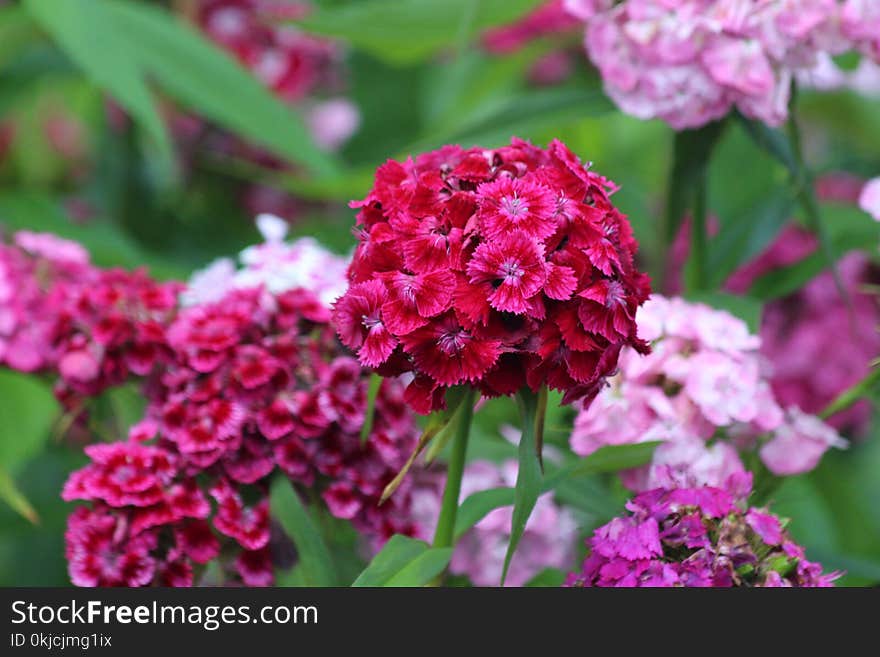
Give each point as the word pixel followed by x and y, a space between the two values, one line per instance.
pixel 496 268
pixel 696 537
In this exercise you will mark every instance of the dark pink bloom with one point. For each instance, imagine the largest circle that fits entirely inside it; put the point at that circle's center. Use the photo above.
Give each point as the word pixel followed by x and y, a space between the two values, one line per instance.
pixel 466 257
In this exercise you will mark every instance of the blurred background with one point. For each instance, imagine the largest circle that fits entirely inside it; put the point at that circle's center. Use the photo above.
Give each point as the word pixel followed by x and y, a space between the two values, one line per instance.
pixel 154 132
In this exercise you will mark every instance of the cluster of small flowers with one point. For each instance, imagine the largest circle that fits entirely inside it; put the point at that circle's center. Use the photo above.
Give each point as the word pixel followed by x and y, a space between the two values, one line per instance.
pixel 92 327
pixel 253 382
pixel 498 268
pixel 826 75
pixel 696 537
pixel 548 541
pixel 806 327
pixel 275 265
pixel 689 62
pixel 703 392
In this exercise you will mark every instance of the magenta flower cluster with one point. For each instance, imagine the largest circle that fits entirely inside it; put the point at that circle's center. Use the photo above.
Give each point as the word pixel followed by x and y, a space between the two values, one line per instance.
pixel 696 537
pixel 92 327
pixel 689 62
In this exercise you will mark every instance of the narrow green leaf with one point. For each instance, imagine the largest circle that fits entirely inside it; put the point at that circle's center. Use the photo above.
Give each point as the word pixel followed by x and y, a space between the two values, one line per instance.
pixel 406 31
pixel 85 31
pixel 744 237
pixel 205 78
pixel 436 423
pixel 317 564
pixel 26 415
pixel 372 393
pixel 528 477
pixel 423 569
pixel 869 385
pixel 540 420
pixel 771 140
pixel 395 555
pixel 10 494
pixel 611 458
pixel 519 114
pixel 449 420
pixel 478 505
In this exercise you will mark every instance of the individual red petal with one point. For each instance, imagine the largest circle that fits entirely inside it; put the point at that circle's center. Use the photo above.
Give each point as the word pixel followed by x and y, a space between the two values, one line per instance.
pixel 573 332
pixel 276 420
pixel 423 395
pixel 197 540
pixel 561 282
pixel 342 500
pixel 255 567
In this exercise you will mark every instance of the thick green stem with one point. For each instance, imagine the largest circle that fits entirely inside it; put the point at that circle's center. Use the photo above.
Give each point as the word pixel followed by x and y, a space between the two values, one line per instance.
pixel 444 535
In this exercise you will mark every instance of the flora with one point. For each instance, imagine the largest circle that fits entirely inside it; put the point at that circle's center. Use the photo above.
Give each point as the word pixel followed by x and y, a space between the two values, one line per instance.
pixel 500 269
pixel 690 62
pixel 703 537
pixel 704 393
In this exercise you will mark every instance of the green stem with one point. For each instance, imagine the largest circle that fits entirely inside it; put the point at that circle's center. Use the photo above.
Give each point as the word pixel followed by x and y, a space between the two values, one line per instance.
pixel 696 273
pixel 443 537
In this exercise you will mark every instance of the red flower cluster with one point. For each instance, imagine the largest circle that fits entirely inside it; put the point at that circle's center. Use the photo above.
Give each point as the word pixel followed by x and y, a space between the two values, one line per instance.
pixel 94 328
pixel 252 382
pixel 499 268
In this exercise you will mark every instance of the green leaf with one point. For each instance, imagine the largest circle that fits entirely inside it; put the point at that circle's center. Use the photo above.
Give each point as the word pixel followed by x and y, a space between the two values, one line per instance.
pixel 10 494
pixel 26 416
pixel 744 237
pixel 372 393
pixel 478 505
pixel 868 386
pixel 406 31
pixel 317 564
pixel 106 244
pixel 423 569
pixel 549 577
pixel 608 459
pixel 528 477
pixel 611 458
pixel 519 114
pixel 397 553
pixel 746 308
pixel 204 78
pixel 691 152
pixel 771 140
pixel 85 31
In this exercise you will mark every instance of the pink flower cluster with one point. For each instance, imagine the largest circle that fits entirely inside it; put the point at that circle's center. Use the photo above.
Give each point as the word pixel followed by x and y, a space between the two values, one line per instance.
pixel 815 324
pixel 275 265
pixel 704 393
pixel 94 328
pixel 548 541
pixel 689 62
pixel 696 537
pixel 254 382
pixel 498 268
